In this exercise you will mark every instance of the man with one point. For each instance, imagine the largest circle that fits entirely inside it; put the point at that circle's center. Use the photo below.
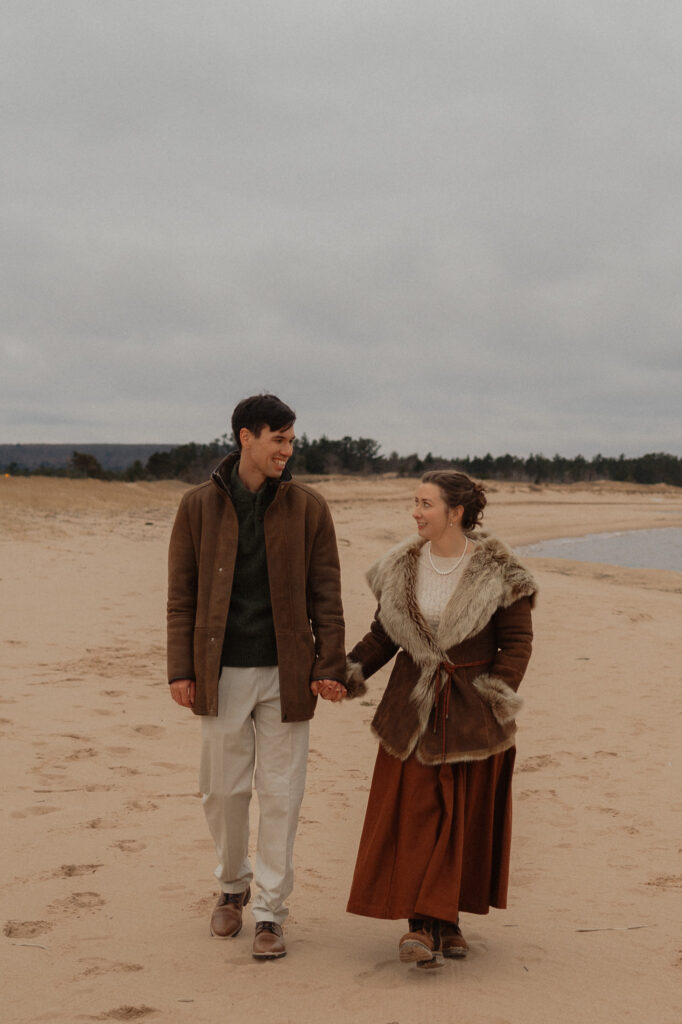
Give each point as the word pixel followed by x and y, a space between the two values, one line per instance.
pixel 255 634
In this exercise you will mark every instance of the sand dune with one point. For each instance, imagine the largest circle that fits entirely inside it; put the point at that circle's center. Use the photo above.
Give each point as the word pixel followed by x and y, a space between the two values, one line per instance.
pixel 106 865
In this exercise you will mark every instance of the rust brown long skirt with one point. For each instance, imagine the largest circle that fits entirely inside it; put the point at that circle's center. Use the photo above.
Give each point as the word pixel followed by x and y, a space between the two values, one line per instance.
pixel 436 839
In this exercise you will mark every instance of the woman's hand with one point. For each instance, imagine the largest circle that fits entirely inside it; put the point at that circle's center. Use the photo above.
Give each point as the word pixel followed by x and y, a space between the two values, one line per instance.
pixel 328 689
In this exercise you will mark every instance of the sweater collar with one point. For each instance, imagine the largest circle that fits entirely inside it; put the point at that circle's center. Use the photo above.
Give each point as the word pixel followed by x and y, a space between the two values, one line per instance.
pixel 222 475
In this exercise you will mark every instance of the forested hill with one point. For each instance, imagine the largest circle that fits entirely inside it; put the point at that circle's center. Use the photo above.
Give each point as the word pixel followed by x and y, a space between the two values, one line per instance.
pixel 323 456
pixel 111 457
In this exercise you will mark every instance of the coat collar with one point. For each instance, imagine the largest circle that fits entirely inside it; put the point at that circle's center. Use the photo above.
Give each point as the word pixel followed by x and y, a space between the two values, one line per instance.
pixel 494 578
pixel 222 473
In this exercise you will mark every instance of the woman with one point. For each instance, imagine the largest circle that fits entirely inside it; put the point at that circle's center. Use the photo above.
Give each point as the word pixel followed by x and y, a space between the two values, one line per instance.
pixel 455 604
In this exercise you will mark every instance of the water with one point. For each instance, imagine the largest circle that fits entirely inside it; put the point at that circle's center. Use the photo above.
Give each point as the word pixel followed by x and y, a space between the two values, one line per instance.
pixel 635 549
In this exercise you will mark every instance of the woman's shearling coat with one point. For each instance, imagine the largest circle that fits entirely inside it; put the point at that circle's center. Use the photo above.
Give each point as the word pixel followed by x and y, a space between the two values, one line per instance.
pixel 451 695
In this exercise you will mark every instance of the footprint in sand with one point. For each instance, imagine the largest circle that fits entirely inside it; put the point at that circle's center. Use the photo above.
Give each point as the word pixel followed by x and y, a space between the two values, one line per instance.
pixel 130 845
pixel 666 882
pixel 25 929
pixel 78 901
pixel 96 965
pixel 149 730
pixel 74 870
pixel 99 823
pixel 141 805
pixel 36 809
pixel 54 776
pixel 536 764
pixel 125 1013
pixel 82 755
pixel 638 616
pixel 526 794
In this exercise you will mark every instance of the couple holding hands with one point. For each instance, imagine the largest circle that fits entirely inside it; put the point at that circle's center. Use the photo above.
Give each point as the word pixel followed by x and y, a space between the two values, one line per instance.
pixel 256 634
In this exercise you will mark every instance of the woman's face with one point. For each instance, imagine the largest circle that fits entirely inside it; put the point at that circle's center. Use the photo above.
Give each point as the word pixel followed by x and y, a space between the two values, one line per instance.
pixel 431 513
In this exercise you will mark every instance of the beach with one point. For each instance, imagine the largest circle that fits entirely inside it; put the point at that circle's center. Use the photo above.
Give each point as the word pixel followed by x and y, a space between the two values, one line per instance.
pixel 107 883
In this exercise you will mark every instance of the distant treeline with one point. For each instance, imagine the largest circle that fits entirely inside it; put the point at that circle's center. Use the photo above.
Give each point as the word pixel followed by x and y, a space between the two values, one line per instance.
pixel 110 456
pixel 323 456
pixel 190 462
pixel 361 455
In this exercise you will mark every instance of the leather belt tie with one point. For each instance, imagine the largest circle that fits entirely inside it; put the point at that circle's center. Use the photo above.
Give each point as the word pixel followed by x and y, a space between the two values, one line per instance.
pixel 442 682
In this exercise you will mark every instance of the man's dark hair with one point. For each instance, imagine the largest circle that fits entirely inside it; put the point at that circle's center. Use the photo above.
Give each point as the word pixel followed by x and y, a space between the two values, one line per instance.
pixel 261 411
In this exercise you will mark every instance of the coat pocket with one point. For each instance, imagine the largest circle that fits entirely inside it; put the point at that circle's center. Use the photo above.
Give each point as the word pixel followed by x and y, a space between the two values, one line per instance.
pixel 504 702
pixel 207 648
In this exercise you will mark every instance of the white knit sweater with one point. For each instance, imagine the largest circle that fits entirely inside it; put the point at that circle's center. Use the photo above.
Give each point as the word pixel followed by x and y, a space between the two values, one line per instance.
pixel 434 591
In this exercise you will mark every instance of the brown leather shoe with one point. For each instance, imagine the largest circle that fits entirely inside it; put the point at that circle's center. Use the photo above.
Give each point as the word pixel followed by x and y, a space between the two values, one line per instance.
pixel 268 942
pixel 226 920
pixel 453 943
pixel 421 944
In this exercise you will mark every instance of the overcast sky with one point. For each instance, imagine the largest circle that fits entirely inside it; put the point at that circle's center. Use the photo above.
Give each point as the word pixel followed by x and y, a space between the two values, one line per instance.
pixel 449 226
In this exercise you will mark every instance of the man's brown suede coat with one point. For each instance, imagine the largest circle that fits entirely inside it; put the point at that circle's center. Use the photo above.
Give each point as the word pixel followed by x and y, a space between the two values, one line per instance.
pixel 305 589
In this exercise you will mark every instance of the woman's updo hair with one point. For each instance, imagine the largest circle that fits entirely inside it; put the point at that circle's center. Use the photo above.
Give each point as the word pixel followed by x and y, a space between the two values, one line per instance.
pixel 459 489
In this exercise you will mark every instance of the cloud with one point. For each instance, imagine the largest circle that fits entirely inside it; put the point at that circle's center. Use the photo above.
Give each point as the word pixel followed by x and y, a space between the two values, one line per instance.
pixel 451 227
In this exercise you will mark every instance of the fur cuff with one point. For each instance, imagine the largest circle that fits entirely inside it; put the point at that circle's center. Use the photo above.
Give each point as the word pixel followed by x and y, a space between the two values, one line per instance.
pixel 504 702
pixel 355 679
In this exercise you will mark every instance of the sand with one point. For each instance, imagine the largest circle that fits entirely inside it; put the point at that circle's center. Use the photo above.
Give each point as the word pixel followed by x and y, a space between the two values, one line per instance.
pixel 107 878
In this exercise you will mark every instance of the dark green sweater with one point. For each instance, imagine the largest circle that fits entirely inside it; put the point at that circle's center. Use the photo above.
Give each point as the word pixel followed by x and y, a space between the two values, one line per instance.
pixel 250 632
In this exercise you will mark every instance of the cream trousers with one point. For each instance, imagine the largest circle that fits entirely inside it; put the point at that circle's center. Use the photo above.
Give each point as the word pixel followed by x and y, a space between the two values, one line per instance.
pixel 247 744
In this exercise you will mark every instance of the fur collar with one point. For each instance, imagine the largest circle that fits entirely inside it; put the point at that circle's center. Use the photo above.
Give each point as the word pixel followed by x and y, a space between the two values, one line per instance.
pixel 494 578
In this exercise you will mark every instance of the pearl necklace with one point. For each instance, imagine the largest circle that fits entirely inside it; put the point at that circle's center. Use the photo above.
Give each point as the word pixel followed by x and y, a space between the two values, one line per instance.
pixel 446 572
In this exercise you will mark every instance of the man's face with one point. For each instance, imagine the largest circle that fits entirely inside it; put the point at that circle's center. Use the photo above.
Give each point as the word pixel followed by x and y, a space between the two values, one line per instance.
pixel 267 454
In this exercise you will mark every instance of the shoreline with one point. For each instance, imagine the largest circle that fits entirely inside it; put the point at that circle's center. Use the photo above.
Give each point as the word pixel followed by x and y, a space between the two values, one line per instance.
pixel 608 549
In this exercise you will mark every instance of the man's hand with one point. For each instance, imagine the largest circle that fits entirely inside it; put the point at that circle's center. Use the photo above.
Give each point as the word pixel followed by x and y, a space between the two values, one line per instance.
pixel 328 689
pixel 182 692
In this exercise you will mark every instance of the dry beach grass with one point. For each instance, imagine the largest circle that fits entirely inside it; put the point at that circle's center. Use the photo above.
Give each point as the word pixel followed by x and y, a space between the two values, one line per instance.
pixel 106 865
